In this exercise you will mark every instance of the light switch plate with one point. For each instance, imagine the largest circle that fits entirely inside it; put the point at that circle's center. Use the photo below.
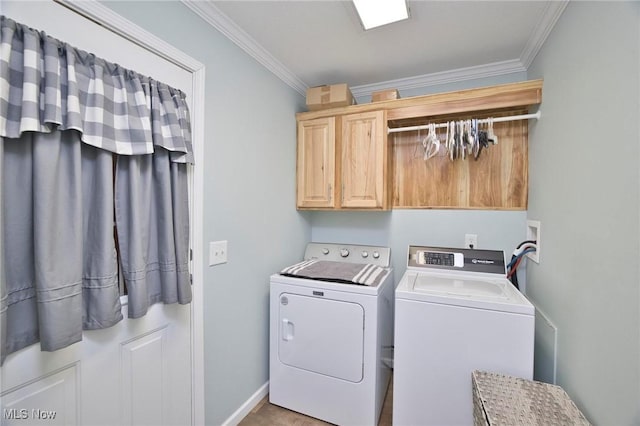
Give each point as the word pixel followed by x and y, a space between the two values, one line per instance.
pixel 217 252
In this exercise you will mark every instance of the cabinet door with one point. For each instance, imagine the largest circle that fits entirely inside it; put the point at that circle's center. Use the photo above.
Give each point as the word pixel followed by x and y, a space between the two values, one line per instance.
pixel 364 160
pixel 316 160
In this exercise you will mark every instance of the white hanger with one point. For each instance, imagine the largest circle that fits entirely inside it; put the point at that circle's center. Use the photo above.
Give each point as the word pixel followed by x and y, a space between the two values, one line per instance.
pixel 432 145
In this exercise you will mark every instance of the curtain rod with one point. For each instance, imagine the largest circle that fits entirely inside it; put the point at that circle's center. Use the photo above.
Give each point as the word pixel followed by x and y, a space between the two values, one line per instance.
pixel 444 125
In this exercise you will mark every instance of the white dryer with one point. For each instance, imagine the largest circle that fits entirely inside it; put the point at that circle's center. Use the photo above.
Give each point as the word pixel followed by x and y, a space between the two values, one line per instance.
pixel 331 339
pixel 455 312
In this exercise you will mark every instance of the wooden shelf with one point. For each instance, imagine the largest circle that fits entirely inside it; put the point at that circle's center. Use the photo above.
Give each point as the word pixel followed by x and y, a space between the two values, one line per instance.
pixel 498 180
pixel 512 95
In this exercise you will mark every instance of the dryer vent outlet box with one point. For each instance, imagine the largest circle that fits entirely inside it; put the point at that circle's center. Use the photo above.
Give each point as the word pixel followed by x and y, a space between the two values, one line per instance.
pixel 533 234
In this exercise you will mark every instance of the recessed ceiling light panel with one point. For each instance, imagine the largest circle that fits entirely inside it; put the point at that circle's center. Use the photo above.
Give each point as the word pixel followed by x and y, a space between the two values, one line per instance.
pixel 375 13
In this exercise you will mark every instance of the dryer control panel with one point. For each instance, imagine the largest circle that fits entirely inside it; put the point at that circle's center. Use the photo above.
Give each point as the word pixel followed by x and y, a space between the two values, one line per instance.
pixel 349 253
pixel 457 259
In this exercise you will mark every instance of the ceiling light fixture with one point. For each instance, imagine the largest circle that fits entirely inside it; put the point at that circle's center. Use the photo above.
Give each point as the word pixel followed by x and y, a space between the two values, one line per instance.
pixel 374 13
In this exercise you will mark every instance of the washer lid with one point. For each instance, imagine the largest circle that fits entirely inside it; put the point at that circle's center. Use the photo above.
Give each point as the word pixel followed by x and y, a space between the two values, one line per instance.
pixel 475 290
pixel 465 287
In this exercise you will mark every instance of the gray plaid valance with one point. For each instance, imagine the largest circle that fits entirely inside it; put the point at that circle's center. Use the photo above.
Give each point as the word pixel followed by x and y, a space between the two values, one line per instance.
pixel 46 84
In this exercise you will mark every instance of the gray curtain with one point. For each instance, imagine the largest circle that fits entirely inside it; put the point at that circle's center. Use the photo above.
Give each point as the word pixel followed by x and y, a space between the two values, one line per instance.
pixel 153 223
pixel 152 213
pixel 64 116
pixel 61 267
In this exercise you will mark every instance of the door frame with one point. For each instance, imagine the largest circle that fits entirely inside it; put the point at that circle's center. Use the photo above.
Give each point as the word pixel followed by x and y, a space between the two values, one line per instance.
pixel 109 19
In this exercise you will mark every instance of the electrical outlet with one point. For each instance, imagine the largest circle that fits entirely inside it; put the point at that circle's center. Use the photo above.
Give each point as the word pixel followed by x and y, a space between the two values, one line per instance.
pixel 471 241
pixel 217 252
pixel 533 233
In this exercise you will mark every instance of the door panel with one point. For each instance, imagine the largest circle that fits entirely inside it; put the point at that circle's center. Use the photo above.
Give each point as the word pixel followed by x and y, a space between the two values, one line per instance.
pixel 321 335
pixel 50 399
pixel 143 363
pixel 138 371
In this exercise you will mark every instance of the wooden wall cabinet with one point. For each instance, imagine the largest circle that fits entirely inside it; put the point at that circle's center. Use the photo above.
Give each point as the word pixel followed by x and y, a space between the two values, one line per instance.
pixel 347 161
pixel 364 161
pixel 343 162
pixel 316 161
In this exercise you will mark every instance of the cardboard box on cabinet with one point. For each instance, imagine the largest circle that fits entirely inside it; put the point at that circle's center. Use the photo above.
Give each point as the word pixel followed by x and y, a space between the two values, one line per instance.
pixel 385 95
pixel 329 96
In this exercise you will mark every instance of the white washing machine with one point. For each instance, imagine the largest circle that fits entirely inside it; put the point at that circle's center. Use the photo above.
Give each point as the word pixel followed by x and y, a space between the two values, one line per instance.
pixel 455 312
pixel 331 340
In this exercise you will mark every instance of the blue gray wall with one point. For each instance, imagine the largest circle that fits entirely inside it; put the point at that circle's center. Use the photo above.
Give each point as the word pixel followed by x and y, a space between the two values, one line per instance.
pixel 249 200
pixel 584 188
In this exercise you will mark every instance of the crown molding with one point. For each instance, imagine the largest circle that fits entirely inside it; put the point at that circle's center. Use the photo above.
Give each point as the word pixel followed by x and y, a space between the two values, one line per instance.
pixel 216 18
pixel 444 77
pixel 221 22
pixel 542 30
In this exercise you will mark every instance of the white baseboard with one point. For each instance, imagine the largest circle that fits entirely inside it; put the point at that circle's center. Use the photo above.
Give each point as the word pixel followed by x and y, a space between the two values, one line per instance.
pixel 248 405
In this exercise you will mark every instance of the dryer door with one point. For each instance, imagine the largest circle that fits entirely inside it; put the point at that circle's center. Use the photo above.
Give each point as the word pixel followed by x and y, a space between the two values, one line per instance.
pixel 321 335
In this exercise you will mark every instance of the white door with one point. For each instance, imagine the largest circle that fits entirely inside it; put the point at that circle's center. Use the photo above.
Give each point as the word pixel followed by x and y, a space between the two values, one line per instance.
pixel 139 371
pixel 322 335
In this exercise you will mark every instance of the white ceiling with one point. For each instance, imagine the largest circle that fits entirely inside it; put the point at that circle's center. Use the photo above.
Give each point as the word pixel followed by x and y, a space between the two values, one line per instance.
pixel 315 42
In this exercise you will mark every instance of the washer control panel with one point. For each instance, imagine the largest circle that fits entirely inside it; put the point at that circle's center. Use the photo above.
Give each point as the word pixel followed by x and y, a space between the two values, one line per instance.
pixel 439 258
pixel 350 253
pixel 457 259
